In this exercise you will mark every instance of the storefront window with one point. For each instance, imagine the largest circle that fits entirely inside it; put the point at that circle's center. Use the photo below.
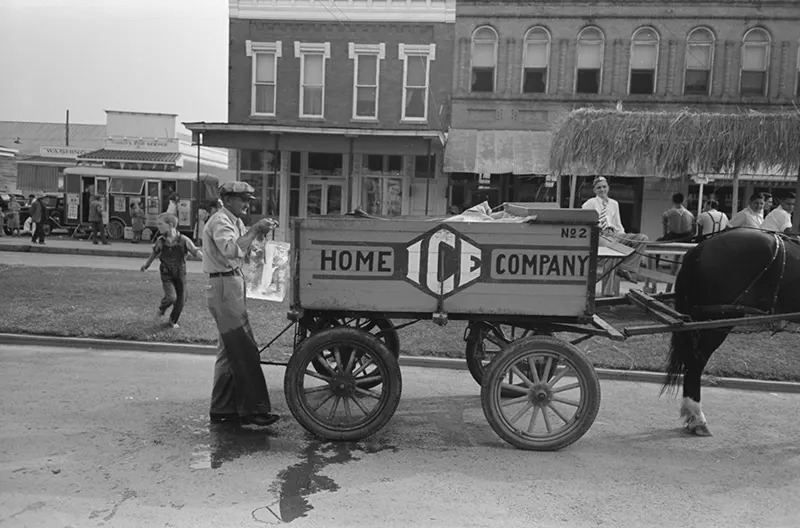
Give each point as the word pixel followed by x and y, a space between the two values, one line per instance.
pixel 261 169
pixel 295 171
pixel 382 184
pixel 324 164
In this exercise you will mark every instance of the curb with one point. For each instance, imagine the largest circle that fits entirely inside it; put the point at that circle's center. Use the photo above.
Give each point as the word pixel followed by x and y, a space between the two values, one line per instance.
pixel 30 248
pixel 405 361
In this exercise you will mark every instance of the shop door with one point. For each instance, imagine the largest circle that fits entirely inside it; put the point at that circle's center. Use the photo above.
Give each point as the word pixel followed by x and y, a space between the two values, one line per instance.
pixel 383 195
pixel 101 187
pixel 152 203
pixel 324 197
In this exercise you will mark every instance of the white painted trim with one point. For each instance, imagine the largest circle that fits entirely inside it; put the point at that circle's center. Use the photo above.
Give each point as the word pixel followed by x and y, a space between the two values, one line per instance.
pixel 404 51
pixel 602 59
pixel 657 57
pixel 275 47
pixel 472 55
pixel 712 45
pixel 354 51
pixel 525 54
pixel 253 50
pixel 315 48
pixel 326 10
pixel 767 51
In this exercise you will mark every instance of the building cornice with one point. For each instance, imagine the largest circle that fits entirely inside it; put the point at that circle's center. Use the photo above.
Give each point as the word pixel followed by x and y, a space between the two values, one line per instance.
pixel 344 11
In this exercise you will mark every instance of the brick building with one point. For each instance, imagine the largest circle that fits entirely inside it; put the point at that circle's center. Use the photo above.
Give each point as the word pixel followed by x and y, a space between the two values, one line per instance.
pixel 521 66
pixel 337 106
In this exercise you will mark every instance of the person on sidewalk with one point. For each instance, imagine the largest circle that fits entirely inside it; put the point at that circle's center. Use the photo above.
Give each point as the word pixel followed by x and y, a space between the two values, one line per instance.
pixel 38 212
pixel 710 221
pixel 2 223
pixel 752 215
pixel 780 218
pixel 96 219
pixel 240 392
pixel 611 228
pixel 171 248
pixel 677 222
pixel 13 217
pixel 137 222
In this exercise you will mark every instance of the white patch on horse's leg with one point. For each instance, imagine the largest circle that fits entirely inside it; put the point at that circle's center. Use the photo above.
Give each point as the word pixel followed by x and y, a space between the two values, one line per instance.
pixel 695 420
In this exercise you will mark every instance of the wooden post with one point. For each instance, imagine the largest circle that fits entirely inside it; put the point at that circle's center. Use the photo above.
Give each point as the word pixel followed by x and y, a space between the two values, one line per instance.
pixel 573 182
pixel 700 200
pixel 735 193
pixel 796 215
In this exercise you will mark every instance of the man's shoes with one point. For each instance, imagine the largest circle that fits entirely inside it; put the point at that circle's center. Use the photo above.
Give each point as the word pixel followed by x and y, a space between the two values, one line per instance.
pixel 106 243
pixel 224 418
pixel 261 420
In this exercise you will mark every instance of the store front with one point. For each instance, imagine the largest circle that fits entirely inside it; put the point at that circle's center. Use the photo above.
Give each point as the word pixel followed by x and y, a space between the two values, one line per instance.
pixel 299 174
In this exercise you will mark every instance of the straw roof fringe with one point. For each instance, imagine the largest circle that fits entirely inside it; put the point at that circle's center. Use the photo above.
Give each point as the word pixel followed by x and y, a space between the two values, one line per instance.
pixel 674 144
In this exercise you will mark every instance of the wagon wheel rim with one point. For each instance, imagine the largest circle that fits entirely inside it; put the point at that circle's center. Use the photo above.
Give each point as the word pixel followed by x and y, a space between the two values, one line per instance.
pixel 344 397
pixel 549 401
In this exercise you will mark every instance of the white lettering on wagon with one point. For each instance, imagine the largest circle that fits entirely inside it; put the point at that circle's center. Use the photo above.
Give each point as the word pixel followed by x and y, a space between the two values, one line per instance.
pixel 510 264
pixel 451 262
pixel 361 260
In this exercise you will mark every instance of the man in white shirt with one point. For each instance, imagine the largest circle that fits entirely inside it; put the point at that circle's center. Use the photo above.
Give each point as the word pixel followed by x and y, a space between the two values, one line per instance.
pixel 750 216
pixel 780 218
pixel 611 227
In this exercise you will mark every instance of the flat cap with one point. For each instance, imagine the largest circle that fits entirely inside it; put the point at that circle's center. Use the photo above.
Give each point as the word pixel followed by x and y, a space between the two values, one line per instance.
pixel 237 187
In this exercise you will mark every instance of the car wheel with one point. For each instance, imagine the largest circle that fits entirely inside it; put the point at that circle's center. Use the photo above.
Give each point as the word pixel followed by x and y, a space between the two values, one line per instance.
pixel 116 229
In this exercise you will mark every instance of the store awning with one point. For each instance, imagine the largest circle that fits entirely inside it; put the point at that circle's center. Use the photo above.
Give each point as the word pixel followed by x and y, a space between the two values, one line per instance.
pixel 497 151
pixel 134 156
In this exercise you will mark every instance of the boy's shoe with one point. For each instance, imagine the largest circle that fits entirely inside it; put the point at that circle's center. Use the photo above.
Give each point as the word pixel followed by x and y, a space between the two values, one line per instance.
pixel 173 325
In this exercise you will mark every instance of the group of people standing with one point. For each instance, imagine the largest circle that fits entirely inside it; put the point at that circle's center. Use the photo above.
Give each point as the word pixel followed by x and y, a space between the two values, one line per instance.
pixel 33 225
pixel 679 223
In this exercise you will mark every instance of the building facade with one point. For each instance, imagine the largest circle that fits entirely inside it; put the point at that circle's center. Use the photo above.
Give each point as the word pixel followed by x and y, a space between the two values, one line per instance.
pixel 334 107
pixel 520 67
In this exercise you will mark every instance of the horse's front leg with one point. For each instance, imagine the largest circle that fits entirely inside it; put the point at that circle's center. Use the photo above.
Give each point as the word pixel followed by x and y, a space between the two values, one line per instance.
pixel 691 410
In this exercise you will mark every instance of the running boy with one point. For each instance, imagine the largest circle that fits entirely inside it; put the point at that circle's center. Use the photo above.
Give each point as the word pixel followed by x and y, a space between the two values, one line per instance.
pixel 171 247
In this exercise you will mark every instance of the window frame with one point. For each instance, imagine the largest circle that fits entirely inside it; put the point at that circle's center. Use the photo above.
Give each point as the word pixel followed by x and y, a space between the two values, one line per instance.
pixel 797 75
pixel 355 52
pixel 404 51
pixel 495 43
pixel 767 45
pixel 644 43
pixel 253 49
pixel 301 51
pixel 602 60
pixel 525 56
pixel 712 44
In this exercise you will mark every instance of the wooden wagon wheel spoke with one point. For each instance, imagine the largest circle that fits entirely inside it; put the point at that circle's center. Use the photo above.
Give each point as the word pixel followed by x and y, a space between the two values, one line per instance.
pixel 522 376
pixel 497 340
pixel 567 387
pixel 313 374
pixel 368 393
pixel 312 390
pixel 323 402
pixel 560 374
pixel 532 423
pixel 360 406
pixel 566 402
pixel 546 372
pixel 532 368
pixel 334 407
pixel 514 401
pixel 367 325
pixel 558 413
pixel 513 388
pixel 338 356
pixel 368 379
pixel 364 365
pixel 351 362
pixel 547 421
pixel 323 362
pixel 521 413
pixel 346 405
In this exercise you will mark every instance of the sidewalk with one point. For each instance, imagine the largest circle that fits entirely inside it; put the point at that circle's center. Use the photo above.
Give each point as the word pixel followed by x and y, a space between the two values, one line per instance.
pixel 75 246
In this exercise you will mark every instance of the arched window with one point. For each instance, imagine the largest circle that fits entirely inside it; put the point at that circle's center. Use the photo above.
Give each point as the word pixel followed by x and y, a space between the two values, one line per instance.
pixel 484 59
pixel 699 62
pixel 589 72
pixel 755 62
pixel 536 59
pixel 644 61
pixel 797 88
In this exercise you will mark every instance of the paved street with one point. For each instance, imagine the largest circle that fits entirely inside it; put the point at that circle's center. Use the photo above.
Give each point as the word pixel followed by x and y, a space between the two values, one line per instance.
pixel 93 438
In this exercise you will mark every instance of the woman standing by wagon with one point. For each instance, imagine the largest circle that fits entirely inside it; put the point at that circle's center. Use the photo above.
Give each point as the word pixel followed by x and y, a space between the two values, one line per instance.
pixel 137 222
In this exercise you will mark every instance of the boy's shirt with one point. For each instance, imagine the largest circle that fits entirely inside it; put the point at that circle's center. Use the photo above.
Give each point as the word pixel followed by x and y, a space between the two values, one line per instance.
pixel 173 255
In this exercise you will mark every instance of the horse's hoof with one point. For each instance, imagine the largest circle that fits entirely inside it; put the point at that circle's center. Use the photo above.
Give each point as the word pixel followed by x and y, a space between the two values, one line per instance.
pixel 700 430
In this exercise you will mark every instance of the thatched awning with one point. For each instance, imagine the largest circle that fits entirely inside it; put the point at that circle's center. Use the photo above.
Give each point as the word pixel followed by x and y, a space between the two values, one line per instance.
pixel 674 144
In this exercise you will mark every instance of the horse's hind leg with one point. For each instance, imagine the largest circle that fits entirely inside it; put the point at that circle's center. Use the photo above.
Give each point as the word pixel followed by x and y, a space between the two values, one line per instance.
pixel 691 410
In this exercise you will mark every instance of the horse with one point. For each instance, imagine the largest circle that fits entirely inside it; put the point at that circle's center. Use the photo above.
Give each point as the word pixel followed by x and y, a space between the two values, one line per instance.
pixel 740 271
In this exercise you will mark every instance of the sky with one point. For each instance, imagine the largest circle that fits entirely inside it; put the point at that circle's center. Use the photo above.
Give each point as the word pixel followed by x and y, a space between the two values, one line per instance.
pixel 88 56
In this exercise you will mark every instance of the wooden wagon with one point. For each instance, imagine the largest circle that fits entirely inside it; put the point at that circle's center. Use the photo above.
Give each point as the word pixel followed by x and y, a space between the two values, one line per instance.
pixel 517 284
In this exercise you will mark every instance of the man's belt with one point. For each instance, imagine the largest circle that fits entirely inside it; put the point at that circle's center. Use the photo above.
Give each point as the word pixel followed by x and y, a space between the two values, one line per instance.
pixel 229 273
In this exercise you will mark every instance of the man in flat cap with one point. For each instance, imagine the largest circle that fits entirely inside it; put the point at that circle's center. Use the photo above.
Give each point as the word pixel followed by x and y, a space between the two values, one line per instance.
pixel 240 392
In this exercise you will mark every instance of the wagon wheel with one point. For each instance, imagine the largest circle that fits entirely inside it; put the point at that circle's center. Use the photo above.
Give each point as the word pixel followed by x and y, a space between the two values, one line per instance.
pixel 358 391
pixel 557 401
pixel 484 342
pixel 383 329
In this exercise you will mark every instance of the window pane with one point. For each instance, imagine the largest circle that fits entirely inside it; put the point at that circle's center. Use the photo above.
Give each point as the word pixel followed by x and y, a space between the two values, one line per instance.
pixel 754 58
pixel 312 69
pixel 698 56
pixel 312 100
pixel 483 54
pixel 483 80
pixel 365 102
pixel 536 55
pixel 421 166
pixel 701 35
pixel 394 197
pixel 642 81
pixel 257 181
pixel 590 56
pixel 324 164
pixel 334 199
pixel 265 67
pixel 265 100
pixel 643 57
pixel 416 70
pixel 697 82
pixel 753 83
pixel 485 33
pixel 371 195
pixel 395 164
pixel 534 80
pixel 372 162
pixel 757 36
pixel 590 34
pixel 367 70
pixel 294 163
pixel 314 199
pixel 588 81
pixel 415 102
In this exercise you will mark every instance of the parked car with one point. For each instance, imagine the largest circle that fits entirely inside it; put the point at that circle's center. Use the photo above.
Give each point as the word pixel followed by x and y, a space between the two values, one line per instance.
pixel 56 206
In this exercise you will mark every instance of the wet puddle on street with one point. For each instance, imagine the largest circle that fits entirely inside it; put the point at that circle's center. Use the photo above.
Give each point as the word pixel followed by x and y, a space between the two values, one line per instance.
pixel 293 485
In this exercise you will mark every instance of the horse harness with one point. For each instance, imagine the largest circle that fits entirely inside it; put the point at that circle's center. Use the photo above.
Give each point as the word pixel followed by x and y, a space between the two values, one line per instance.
pixel 778 253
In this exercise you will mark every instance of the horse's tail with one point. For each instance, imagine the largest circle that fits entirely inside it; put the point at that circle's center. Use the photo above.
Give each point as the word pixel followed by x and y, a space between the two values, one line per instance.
pixel 683 343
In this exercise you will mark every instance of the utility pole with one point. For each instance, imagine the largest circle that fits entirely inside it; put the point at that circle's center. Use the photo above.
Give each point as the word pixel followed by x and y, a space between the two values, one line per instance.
pixel 66 131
